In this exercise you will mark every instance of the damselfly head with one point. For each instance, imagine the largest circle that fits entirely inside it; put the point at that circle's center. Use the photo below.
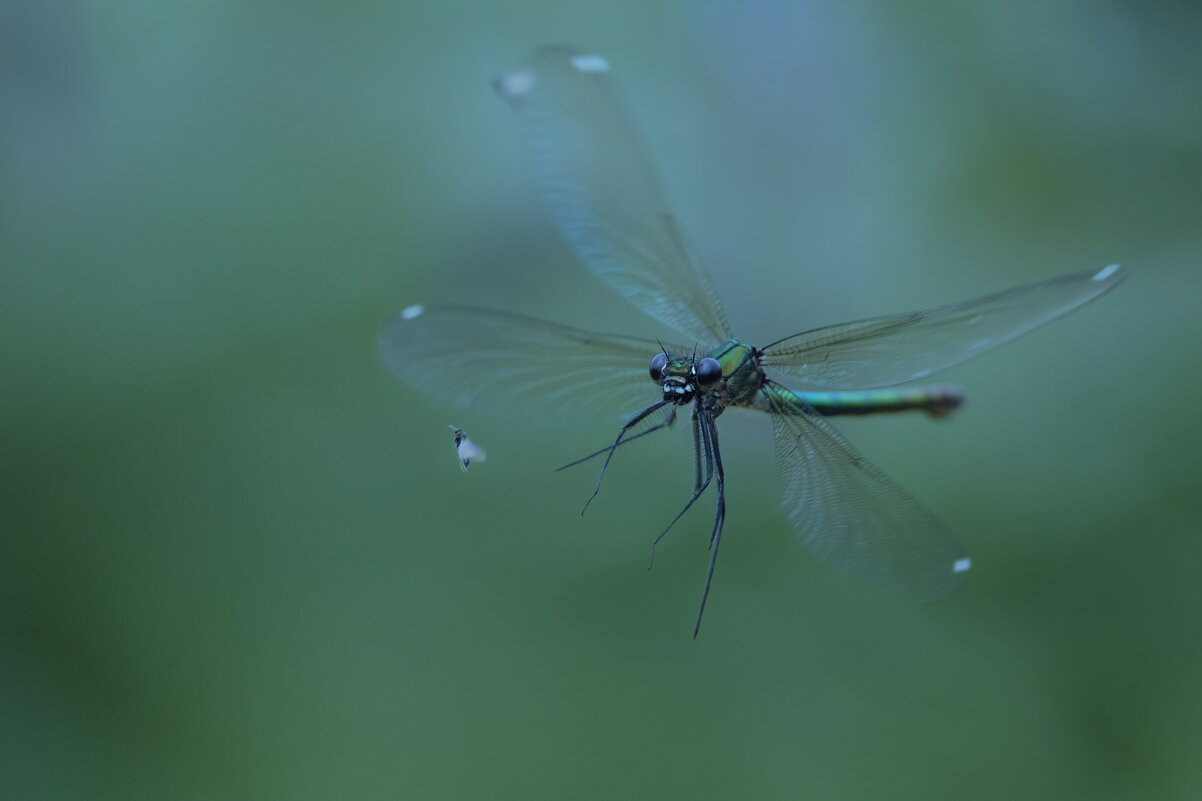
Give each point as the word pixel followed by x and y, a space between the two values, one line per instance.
pixel 680 376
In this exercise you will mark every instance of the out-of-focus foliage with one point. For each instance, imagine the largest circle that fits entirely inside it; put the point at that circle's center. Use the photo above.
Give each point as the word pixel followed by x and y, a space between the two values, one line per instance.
pixel 237 558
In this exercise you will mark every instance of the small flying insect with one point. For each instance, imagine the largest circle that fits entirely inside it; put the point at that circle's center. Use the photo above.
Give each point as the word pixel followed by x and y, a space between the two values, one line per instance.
pixel 466 449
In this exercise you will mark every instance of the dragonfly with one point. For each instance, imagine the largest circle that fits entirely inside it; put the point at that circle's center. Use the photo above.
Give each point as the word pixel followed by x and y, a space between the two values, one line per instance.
pixel 596 180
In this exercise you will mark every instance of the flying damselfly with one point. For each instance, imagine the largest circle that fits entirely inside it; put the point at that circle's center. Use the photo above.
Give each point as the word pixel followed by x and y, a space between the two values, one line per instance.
pixel 604 198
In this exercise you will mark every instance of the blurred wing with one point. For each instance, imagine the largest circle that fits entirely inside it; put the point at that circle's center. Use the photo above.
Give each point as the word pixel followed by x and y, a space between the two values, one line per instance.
pixel 489 360
pixel 851 515
pixel 602 194
pixel 469 452
pixel 882 351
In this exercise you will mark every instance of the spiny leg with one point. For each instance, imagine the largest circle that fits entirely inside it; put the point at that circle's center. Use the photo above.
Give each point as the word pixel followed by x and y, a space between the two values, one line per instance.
pixel 699 443
pixel 629 424
pixel 710 431
pixel 667 422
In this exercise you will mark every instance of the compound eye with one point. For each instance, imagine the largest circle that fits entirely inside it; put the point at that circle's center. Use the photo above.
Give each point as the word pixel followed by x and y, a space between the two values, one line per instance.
pixel 708 371
pixel 657 367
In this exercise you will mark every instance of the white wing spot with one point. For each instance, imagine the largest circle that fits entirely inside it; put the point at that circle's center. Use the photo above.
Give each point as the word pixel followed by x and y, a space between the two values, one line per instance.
pixel 961 565
pixel 1106 272
pixel 516 83
pixel 590 63
pixel 416 310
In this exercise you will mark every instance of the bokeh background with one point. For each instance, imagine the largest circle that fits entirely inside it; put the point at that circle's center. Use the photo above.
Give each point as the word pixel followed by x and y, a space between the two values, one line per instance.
pixel 238 559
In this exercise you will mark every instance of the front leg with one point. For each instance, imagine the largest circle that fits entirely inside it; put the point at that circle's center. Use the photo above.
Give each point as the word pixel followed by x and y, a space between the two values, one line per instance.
pixel 710 432
pixel 629 424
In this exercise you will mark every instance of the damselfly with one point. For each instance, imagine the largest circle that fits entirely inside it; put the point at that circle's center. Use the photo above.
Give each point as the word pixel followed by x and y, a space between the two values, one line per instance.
pixel 604 198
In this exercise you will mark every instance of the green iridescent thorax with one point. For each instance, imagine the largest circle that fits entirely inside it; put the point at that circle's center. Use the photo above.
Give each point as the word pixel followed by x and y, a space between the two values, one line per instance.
pixel 741 374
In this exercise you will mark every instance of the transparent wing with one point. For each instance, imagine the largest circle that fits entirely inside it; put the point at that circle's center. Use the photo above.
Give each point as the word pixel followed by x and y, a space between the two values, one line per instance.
pixel 602 194
pixel 490 360
pixel 851 515
pixel 882 351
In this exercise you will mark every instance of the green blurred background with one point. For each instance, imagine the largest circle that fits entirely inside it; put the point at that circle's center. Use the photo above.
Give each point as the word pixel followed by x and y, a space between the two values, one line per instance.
pixel 238 560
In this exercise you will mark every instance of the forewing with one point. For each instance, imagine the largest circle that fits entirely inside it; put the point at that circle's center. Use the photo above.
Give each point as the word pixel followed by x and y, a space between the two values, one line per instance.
pixel 882 351
pixel 851 515
pixel 489 360
pixel 602 194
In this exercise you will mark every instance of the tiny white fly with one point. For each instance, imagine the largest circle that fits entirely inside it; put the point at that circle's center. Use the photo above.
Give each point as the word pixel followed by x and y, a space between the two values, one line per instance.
pixel 466 449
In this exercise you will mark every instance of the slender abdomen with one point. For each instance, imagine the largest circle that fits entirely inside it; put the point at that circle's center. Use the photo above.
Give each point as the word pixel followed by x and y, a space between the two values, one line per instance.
pixel 937 400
